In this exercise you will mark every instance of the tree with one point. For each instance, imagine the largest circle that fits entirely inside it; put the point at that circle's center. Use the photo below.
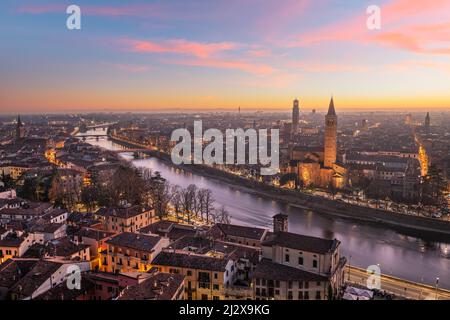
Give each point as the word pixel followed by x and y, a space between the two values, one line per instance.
pixel 159 192
pixel 187 200
pixel 126 186
pixel 29 189
pixel 222 216
pixel 176 199
pixel 65 190
pixel 89 197
pixel 434 186
pixel 206 201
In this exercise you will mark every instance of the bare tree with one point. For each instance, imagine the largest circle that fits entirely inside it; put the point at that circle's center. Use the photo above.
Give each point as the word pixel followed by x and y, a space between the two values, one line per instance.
pixel 206 201
pixel 158 191
pixel 187 200
pixel 222 216
pixel 177 200
pixel 65 191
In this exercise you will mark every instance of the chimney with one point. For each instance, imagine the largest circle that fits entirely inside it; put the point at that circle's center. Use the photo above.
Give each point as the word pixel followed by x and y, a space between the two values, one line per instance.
pixel 280 222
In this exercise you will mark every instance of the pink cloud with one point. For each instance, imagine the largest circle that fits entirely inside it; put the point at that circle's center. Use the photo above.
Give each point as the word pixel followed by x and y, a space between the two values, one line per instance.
pixel 263 53
pixel 324 67
pixel 179 46
pixel 408 64
pixel 226 64
pixel 398 29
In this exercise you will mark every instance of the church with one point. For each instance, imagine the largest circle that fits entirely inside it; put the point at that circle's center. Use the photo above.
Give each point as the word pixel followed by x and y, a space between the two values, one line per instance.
pixel 319 167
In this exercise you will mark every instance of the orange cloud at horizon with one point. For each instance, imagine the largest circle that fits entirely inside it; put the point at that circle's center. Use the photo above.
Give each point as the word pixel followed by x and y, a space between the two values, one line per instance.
pixel 99 101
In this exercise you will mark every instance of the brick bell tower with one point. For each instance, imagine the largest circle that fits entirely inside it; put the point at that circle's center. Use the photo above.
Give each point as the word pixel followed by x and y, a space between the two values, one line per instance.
pixel 330 152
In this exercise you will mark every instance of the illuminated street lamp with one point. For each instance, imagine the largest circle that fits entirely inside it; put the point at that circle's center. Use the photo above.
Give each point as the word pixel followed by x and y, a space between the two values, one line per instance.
pixel 437 287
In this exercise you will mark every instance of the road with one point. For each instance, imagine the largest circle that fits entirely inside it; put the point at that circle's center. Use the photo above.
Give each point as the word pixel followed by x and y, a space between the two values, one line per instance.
pixel 399 287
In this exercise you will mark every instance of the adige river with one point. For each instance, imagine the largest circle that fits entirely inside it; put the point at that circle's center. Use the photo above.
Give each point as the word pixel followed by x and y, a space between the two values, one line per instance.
pixel 411 258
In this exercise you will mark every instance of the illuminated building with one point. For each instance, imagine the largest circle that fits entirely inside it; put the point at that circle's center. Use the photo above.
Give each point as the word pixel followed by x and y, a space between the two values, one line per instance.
pixel 320 167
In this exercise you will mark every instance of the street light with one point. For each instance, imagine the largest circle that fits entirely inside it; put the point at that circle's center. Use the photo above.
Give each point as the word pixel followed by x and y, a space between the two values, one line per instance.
pixel 349 258
pixel 437 287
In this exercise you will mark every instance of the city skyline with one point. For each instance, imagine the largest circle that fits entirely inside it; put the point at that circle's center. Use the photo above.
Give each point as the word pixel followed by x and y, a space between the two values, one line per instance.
pixel 146 56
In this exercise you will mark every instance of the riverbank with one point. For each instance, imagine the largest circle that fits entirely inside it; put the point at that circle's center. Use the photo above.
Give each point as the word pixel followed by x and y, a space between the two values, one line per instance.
pixel 432 229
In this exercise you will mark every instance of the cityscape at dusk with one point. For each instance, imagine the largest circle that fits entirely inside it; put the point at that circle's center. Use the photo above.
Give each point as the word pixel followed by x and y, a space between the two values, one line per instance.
pixel 242 150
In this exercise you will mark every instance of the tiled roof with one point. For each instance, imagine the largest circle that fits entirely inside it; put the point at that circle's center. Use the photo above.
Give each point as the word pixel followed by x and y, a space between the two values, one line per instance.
pixel 161 286
pixel 301 242
pixel 122 212
pixel 241 231
pixel 136 241
pixel 35 278
pixel 12 270
pixel 189 260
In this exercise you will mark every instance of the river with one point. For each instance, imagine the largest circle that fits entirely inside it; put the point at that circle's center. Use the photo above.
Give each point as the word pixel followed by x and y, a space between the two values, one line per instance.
pixel 399 255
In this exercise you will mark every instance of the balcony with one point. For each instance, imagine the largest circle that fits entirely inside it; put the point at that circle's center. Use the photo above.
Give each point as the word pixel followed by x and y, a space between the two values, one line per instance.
pixel 204 285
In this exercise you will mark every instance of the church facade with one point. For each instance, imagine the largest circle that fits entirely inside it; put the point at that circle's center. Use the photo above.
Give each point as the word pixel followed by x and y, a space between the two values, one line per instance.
pixel 317 167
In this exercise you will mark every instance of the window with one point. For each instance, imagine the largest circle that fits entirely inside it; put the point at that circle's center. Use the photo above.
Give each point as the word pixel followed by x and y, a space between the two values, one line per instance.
pixel 300 261
pixel 189 273
pixel 318 297
pixel 257 291
pixel 289 295
pixel 277 283
pixel 306 295
pixel 204 297
pixel 215 287
pixel 258 282
pixel 216 298
pixel 216 275
pixel 314 263
pixel 286 258
pixel 290 284
pixel 300 295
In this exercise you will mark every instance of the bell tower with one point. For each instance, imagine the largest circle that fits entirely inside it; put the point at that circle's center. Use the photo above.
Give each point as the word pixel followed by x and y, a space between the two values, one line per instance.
pixel 20 130
pixel 330 152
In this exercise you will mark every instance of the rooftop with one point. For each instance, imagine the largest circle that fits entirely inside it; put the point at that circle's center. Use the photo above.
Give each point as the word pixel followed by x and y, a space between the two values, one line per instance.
pixel 135 241
pixel 301 242
pixel 189 260
pixel 161 286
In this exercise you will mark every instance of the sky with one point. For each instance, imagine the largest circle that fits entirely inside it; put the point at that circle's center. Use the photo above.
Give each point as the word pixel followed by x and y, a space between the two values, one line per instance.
pixel 223 54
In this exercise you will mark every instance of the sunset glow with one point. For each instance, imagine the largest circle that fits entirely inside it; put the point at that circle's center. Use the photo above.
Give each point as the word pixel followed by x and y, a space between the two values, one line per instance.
pixel 160 55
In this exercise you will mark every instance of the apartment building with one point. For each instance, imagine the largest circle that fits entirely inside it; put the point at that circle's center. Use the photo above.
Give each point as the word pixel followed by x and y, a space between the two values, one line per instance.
pixel 125 219
pixel 205 276
pixel 131 252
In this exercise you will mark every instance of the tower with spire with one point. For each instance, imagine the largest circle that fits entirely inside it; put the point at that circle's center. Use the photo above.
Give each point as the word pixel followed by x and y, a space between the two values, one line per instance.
pixel 330 149
pixel 427 123
pixel 20 130
pixel 295 116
